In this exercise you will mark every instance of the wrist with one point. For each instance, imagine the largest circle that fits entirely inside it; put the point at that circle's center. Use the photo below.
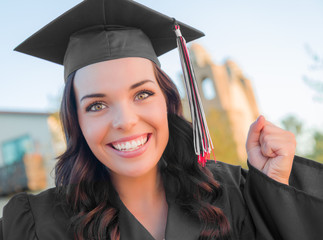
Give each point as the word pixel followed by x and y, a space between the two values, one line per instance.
pixel 279 179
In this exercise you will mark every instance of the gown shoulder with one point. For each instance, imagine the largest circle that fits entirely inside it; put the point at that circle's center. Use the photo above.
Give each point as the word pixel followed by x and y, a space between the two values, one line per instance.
pixel 18 221
pixel 33 217
pixel 232 179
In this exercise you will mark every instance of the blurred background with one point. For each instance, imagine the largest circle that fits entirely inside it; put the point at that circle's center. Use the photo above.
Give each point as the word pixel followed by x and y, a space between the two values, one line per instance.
pixel 258 57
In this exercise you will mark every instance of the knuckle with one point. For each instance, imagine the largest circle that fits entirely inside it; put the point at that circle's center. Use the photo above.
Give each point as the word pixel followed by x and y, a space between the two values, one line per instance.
pixel 265 138
pixel 266 147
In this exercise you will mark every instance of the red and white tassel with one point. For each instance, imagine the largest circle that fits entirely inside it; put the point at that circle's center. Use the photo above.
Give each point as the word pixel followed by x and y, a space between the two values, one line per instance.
pixel 202 140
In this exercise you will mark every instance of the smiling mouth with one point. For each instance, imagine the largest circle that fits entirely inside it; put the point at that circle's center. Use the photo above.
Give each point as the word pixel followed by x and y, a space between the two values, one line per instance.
pixel 128 146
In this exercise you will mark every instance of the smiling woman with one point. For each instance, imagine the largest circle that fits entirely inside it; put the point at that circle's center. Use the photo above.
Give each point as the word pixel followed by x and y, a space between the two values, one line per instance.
pixel 131 170
pixel 133 108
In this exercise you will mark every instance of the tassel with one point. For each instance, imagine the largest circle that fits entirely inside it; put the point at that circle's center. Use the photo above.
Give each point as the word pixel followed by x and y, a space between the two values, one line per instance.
pixel 201 136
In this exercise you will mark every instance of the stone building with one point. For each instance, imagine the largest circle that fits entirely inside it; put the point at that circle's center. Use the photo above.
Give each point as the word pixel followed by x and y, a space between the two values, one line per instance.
pixel 229 103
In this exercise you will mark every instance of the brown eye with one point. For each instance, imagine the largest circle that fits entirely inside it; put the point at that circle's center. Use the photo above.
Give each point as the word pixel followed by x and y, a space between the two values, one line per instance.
pixel 95 107
pixel 143 95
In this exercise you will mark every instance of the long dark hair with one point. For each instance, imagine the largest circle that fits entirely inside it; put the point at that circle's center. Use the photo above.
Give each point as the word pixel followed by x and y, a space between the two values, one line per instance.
pixel 85 184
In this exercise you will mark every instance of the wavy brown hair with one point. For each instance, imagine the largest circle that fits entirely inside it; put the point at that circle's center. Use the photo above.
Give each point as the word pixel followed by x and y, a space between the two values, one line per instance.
pixel 84 182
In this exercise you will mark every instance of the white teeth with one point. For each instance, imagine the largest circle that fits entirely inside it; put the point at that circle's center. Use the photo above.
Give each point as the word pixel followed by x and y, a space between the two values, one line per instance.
pixel 131 145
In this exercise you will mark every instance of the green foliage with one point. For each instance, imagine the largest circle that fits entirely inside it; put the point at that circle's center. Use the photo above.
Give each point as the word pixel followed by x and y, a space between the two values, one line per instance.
pixel 293 124
pixel 316 65
pixel 317 86
pixel 222 137
pixel 317 153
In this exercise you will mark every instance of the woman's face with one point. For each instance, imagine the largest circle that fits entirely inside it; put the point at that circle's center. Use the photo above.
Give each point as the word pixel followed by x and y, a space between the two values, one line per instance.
pixel 122 113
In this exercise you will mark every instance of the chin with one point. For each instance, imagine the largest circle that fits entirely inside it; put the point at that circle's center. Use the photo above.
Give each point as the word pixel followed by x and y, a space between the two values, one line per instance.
pixel 135 170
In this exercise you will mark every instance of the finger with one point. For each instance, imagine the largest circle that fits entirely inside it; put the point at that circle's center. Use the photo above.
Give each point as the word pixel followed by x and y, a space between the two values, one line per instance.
pixel 256 158
pixel 270 132
pixel 254 132
pixel 267 150
pixel 277 137
pixel 276 145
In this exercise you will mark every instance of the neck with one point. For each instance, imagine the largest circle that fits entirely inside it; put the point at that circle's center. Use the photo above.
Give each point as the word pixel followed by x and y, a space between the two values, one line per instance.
pixel 139 190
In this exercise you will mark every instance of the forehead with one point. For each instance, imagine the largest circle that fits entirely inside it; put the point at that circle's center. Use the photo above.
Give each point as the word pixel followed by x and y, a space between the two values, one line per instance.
pixel 113 73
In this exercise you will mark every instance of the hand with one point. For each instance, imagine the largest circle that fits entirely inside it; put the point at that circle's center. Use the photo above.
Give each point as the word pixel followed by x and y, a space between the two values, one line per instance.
pixel 271 149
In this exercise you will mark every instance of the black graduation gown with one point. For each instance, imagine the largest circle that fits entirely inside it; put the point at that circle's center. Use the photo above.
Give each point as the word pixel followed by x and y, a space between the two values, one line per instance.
pixel 257 207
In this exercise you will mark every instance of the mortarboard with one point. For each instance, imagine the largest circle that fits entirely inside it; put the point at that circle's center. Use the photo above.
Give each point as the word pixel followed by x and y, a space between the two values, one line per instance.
pixel 100 30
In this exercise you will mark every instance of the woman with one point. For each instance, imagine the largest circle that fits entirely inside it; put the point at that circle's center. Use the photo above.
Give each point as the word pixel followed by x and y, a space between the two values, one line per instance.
pixel 130 169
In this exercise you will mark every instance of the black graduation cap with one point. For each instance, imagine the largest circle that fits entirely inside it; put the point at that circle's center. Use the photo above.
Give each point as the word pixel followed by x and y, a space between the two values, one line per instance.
pixel 98 30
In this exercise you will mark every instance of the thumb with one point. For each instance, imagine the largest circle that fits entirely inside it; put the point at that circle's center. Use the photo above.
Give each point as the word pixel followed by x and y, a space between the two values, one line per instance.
pixel 254 132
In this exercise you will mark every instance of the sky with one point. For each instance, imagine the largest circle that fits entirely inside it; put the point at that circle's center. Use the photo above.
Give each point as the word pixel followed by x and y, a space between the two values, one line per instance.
pixel 266 39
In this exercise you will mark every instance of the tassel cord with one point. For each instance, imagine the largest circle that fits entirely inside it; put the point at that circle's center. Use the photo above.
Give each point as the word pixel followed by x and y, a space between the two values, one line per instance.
pixel 188 65
pixel 197 98
pixel 191 104
pixel 203 144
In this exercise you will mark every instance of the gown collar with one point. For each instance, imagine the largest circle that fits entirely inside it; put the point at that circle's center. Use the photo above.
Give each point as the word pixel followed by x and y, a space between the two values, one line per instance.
pixel 179 224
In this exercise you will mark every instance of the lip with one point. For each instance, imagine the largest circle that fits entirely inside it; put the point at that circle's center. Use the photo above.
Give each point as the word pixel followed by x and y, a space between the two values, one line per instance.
pixel 134 153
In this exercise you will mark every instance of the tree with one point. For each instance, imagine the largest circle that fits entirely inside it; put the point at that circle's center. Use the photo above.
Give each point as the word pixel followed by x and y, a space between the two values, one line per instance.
pixel 313 82
pixel 317 153
pixel 317 85
pixel 291 123
pixel 294 125
pixel 315 138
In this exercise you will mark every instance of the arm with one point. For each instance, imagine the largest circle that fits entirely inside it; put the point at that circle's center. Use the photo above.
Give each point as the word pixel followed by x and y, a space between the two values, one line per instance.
pixel 261 208
pixel 288 212
pixel 283 193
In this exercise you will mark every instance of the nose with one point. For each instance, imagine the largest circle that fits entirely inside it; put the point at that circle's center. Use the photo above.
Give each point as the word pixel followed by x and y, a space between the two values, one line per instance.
pixel 124 117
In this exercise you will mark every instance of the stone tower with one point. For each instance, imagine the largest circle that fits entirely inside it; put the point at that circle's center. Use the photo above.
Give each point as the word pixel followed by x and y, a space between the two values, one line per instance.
pixel 229 104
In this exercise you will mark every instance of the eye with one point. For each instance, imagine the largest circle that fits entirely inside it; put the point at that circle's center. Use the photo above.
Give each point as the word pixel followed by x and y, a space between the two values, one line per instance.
pixel 95 107
pixel 142 95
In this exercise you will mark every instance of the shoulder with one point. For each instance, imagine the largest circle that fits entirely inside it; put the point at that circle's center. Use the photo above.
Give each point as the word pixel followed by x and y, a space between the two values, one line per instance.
pixel 28 216
pixel 232 181
pixel 227 174
pixel 24 202
pixel 24 198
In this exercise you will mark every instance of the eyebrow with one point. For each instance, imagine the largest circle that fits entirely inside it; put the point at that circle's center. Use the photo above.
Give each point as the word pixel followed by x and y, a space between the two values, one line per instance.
pixel 94 95
pixel 101 95
pixel 140 83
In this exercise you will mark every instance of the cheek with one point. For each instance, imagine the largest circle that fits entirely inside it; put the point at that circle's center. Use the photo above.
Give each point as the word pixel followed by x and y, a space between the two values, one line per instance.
pixel 92 129
pixel 157 117
pixel 156 113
